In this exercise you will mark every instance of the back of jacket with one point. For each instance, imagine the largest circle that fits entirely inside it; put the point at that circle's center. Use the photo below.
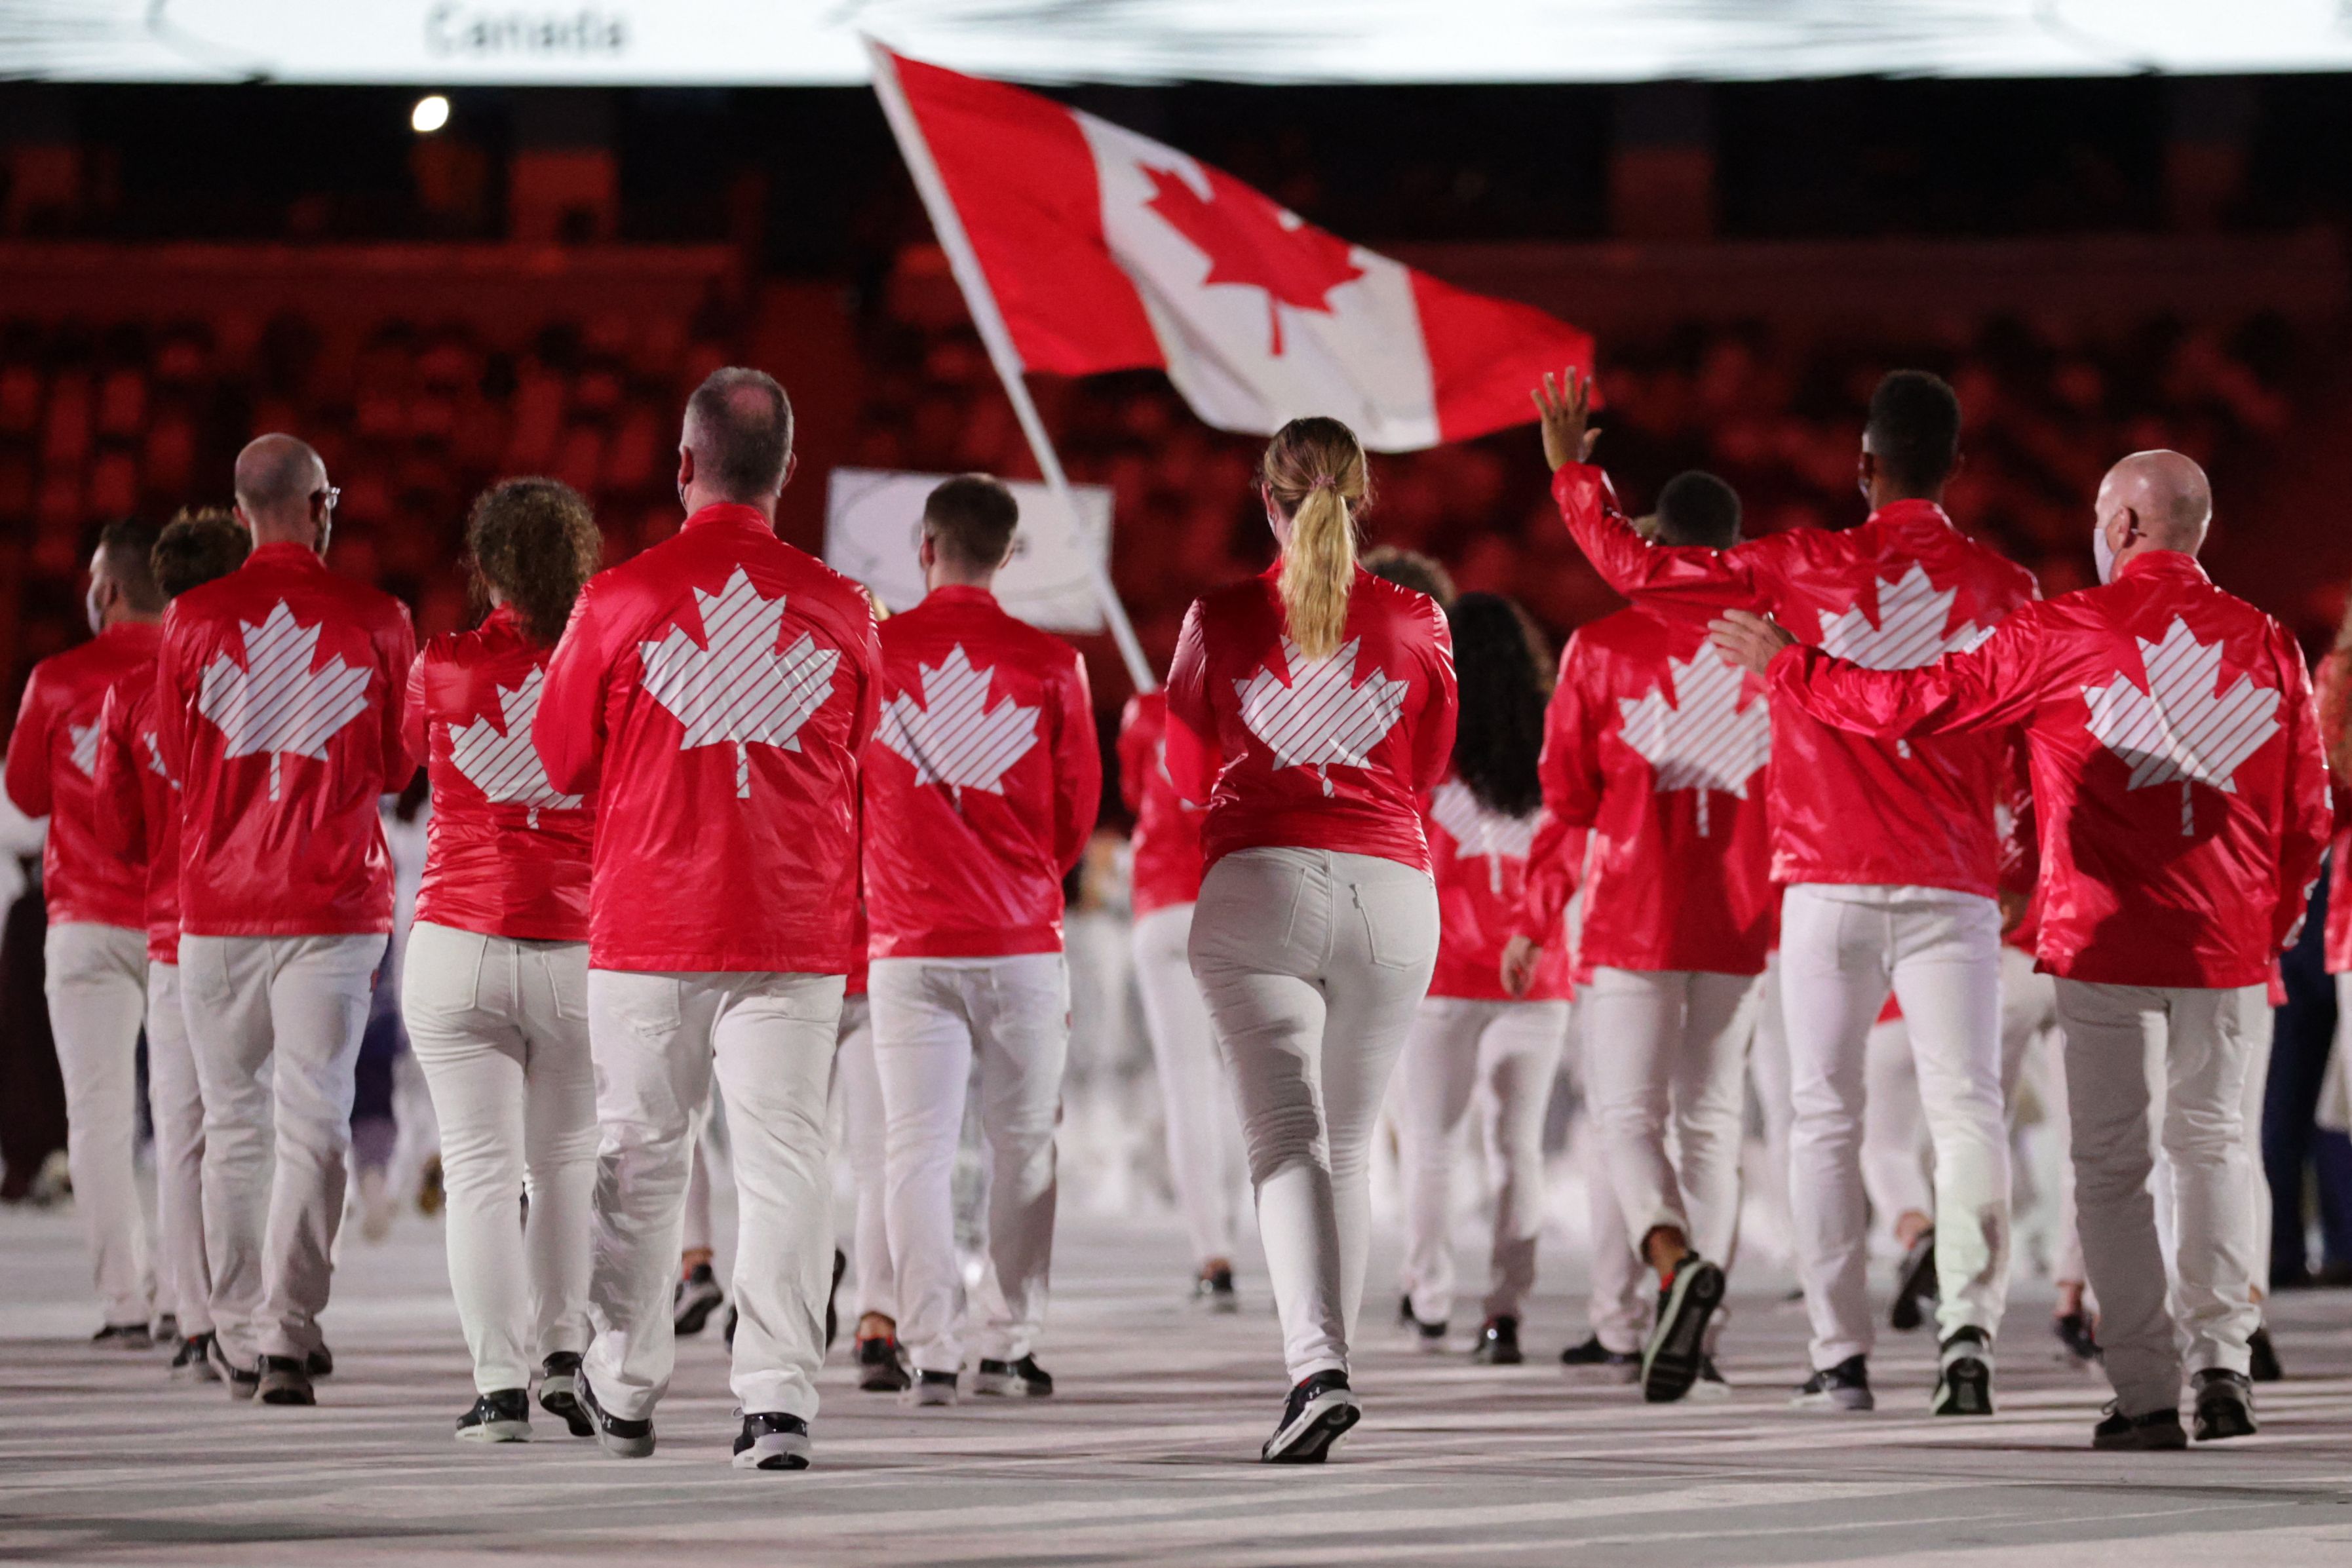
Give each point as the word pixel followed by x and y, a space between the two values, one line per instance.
pixel 53 768
pixel 1479 860
pixel 138 805
pixel 1167 840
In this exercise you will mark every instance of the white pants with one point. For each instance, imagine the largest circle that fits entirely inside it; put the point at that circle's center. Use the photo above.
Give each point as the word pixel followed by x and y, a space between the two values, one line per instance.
pixel 1893 1171
pixel 1669 1049
pixel 177 1104
pixel 931 1017
pixel 1841 949
pixel 2207 1040
pixel 1767 1069
pixel 97 985
pixel 276 1022
pixel 500 1029
pixel 1623 1294
pixel 1204 1152
pixel 1505 1054
pixel 658 1039
pixel 1313 964
pixel 874 1287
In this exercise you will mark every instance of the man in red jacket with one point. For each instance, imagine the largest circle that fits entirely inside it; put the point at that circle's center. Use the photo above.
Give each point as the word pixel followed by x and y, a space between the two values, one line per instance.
pixel 278 706
pixel 96 945
pixel 2183 808
pixel 716 691
pixel 981 788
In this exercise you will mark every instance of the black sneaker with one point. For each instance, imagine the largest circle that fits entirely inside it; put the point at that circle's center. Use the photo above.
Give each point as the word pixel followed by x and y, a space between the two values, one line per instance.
pixel 285 1381
pixel 319 1362
pixel 194 1364
pixel 1964 1385
pixel 697 1296
pixel 931 1388
pixel 621 1438
pixel 832 1319
pixel 558 1393
pixel 2262 1357
pixel 122 1336
pixel 882 1365
pixel 1915 1289
pixel 502 1416
pixel 1213 1288
pixel 1845 1386
pixel 2158 1429
pixel 1676 1346
pixel 241 1381
pixel 2225 1405
pixel 1023 1379
pixel 1431 1337
pixel 1593 1357
pixel 772 1440
pixel 2074 1331
pixel 1499 1343
pixel 1314 1418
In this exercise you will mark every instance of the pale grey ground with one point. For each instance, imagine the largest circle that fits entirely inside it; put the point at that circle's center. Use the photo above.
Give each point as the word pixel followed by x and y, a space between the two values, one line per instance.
pixel 1146 1454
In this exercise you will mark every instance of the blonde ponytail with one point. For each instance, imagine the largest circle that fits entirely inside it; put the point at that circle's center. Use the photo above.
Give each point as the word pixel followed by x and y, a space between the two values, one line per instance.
pixel 1315 472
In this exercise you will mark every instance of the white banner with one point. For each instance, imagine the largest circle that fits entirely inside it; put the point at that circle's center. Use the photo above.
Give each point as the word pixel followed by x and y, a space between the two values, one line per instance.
pixel 874 522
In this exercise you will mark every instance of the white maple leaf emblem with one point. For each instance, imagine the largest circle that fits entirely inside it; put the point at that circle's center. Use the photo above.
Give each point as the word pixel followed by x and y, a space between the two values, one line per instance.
pixel 1910 632
pixel 1703 739
pixel 734 688
pixel 84 751
pixel 1479 831
pixel 2183 727
pixel 1320 717
pixel 155 758
pixel 954 737
pixel 503 764
pixel 276 702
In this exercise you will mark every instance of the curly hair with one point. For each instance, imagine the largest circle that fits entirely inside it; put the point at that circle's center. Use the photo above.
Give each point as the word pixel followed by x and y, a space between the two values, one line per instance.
pixel 534 543
pixel 1504 676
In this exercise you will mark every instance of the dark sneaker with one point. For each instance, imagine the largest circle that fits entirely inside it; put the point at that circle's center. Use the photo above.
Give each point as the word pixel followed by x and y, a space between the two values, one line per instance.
pixel 1915 1289
pixel 1499 1343
pixel 241 1381
pixel 697 1296
pixel 285 1381
pixel 2157 1429
pixel 882 1365
pixel 932 1388
pixel 502 1416
pixel 194 1364
pixel 2262 1358
pixel 2225 1405
pixel 558 1393
pixel 1964 1385
pixel 2074 1331
pixel 1430 1336
pixel 1314 1418
pixel 772 1440
pixel 1214 1290
pixel 123 1337
pixel 1845 1386
pixel 1710 1386
pixel 832 1318
pixel 1593 1357
pixel 1677 1344
pixel 166 1330
pixel 623 1439
pixel 319 1362
pixel 1023 1379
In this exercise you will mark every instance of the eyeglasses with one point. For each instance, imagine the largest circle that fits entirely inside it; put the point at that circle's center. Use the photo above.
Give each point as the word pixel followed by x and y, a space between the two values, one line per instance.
pixel 331 494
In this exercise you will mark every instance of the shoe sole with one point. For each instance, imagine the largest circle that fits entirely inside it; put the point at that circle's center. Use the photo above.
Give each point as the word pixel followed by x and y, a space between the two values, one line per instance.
pixel 1309 1439
pixel 563 1402
pixel 1837 1401
pixel 2170 1440
pixel 287 1395
pixel 1911 1289
pixel 883 1382
pixel 697 1317
pixel 996 1386
pixel 2235 1421
pixel 1481 1356
pixel 930 1398
pixel 1670 1362
pixel 1964 1389
pixel 495 1432
pixel 777 1451
pixel 612 1442
pixel 1706 1393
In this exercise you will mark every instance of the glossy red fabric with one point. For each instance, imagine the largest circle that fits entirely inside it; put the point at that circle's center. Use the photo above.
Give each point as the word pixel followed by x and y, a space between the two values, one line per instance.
pixel 1479 859
pixel 1166 844
pixel 137 805
pixel 2335 689
pixel 52 771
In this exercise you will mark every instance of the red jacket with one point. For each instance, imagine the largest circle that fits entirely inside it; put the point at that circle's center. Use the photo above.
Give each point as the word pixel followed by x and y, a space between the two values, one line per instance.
pixel 1479 860
pixel 1167 841
pixel 505 853
pixel 722 683
pixel 2335 689
pixel 137 805
pixel 53 766
pixel 278 709
pixel 981 782
pixel 1894 593
pixel 2181 797
pixel 1331 756
pixel 1659 745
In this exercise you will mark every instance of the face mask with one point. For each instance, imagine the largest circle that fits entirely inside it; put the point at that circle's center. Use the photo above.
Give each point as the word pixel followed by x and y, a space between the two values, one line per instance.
pixel 2104 553
pixel 89 608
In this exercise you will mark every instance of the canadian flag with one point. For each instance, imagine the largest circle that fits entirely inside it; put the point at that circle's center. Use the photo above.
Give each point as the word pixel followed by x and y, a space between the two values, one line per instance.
pixel 1104 250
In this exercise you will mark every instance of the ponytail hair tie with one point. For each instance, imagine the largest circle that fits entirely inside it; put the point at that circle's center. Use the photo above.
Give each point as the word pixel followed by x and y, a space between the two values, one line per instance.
pixel 1321 482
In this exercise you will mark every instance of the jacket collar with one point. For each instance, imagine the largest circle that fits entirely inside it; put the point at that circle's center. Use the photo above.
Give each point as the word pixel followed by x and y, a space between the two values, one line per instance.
pixel 1909 515
pixel 2169 563
pixel 285 553
pixel 961 593
pixel 133 633
pixel 730 512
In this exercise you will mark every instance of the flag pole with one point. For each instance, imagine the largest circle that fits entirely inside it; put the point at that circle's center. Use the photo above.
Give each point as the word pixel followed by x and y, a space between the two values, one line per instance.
pixel 965 261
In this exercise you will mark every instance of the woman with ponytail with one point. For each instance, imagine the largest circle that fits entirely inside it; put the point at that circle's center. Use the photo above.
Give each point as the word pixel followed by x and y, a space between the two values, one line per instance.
pixel 495 988
pixel 1309 708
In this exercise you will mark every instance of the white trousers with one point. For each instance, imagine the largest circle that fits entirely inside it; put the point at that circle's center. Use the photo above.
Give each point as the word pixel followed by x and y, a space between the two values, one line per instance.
pixel 1893 1167
pixel 1668 1049
pixel 1767 1069
pixel 1504 1055
pixel 658 1039
pixel 2206 1040
pixel 931 1017
pixel 176 1102
pixel 1204 1150
pixel 874 1286
pixel 1313 964
pixel 1841 949
pixel 500 1028
pixel 1623 1294
pixel 276 1023
pixel 97 985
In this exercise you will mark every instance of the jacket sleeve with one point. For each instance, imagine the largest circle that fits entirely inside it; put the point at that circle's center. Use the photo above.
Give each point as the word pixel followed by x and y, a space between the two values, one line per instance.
pixel 868 637
pixel 118 805
pixel 1569 768
pixel 1688 575
pixel 1432 737
pixel 171 698
pixel 1136 746
pixel 1996 685
pixel 2307 817
pixel 396 656
pixel 1077 766
pixel 30 748
pixel 415 732
pixel 569 732
pixel 1192 754
pixel 2020 849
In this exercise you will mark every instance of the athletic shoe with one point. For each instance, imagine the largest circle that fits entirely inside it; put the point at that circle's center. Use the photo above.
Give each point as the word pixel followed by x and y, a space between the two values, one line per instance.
pixel 2225 1404
pixel 772 1440
pixel 319 1362
pixel 1023 1379
pixel 1964 1385
pixel 882 1365
pixel 194 1361
pixel 1711 1386
pixel 1916 1289
pixel 1215 1290
pixel 1593 1357
pixel 285 1381
pixel 1430 1336
pixel 503 1416
pixel 241 1380
pixel 1677 1344
pixel 2262 1358
pixel 932 1388
pixel 621 1438
pixel 832 1320
pixel 1314 1418
pixel 1499 1343
pixel 2074 1332
pixel 697 1296
pixel 1845 1386
pixel 166 1330
pixel 558 1393
pixel 123 1337
pixel 2158 1429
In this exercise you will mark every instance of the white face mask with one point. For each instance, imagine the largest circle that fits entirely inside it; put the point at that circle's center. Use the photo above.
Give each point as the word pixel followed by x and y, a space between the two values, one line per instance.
pixel 2104 553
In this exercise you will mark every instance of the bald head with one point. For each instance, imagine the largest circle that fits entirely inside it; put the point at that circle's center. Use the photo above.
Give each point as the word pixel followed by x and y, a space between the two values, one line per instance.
pixel 2154 501
pixel 737 441
pixel 281 491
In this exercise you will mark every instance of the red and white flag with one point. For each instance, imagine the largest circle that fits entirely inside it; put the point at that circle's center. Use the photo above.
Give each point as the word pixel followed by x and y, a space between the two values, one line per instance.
pixel 1103 250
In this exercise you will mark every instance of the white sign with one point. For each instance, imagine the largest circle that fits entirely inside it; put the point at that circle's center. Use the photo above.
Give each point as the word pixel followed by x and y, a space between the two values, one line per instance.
pixel 874 523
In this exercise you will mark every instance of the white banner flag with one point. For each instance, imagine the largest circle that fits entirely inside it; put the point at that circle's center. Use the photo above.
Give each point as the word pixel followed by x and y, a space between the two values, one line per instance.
pixel 874 524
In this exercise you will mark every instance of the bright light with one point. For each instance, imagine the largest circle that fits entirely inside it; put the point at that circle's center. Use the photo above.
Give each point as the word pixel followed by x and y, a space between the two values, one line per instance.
pixel 431 113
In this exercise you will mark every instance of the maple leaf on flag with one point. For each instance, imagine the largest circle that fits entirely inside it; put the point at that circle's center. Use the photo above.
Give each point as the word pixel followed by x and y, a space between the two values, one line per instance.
pixel 1318 715
pixel 734 688
pixel 2183 727
pixel 84 751
pixel 1912 617
pixel 1254 243
pixel 1479 831
pixel 276 702
pixel 954 737
pixel 1703 739
pixel 501 759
